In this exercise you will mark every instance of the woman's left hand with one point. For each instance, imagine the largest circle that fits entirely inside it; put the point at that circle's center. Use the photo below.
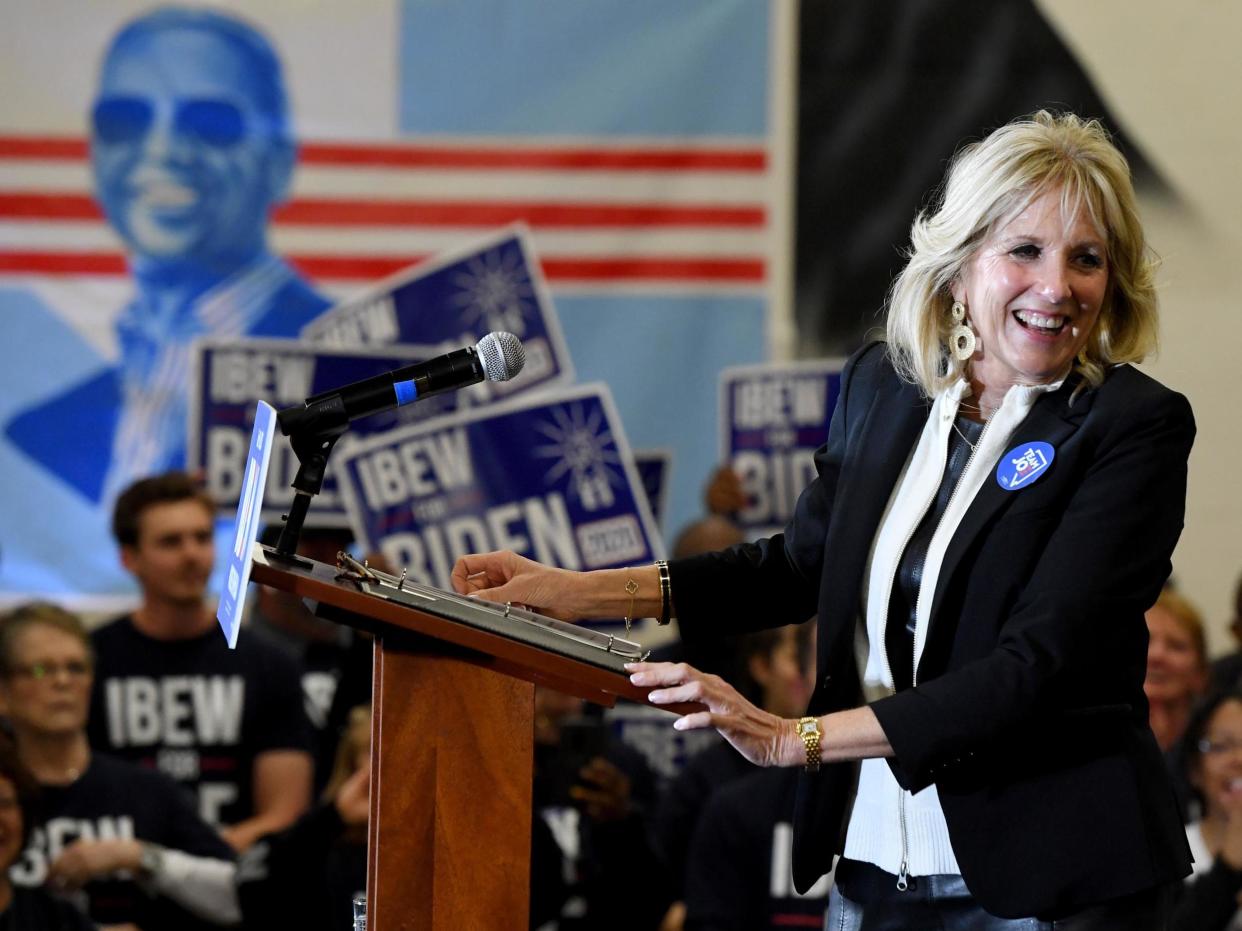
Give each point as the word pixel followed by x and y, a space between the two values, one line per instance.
pixel 760 736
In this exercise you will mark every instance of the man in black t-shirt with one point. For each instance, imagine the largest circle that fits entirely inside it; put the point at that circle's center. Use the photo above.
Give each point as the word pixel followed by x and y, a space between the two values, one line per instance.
pixel 774 670
pixel 169 694
pixel 739 874
pixel 589 797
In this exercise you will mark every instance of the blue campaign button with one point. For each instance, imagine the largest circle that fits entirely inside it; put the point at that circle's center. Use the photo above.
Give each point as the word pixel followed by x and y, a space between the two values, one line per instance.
pixel 1023 465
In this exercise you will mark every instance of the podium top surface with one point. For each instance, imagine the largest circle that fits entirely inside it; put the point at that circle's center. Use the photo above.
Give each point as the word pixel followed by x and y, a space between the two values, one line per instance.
pixel 477 631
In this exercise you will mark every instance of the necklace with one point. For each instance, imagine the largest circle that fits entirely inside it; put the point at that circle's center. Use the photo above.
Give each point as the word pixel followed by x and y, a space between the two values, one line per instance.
pixel 974 409
pixel 965 438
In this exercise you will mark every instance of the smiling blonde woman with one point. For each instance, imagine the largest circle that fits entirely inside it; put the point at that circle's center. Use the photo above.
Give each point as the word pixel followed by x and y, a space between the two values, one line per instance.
pixel 993 512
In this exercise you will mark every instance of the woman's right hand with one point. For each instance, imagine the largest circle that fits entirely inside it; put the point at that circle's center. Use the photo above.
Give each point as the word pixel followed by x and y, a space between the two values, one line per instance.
pixel 507 577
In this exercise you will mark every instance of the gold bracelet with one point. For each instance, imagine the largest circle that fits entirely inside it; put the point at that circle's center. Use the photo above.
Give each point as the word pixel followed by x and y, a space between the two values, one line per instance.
pixel 631 589
pixel 808 729
pixel 666 594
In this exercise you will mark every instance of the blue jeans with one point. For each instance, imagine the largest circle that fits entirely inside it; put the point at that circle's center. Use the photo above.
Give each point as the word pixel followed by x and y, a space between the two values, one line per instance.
pixel 865 898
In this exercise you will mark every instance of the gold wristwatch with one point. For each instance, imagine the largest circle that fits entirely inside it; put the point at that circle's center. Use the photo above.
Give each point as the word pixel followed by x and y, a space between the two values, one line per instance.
pixel 808 730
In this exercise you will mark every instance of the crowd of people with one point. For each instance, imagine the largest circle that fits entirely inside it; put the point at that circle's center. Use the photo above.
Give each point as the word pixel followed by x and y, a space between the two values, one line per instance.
pixel 150 778
pixel 164 780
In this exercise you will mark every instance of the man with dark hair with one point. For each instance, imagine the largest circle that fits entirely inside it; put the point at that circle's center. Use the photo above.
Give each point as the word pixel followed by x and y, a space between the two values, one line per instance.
pixel 169 488
pixel 169 693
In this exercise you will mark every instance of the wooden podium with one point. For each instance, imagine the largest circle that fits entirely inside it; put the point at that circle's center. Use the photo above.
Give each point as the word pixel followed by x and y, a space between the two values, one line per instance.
pixel 452 749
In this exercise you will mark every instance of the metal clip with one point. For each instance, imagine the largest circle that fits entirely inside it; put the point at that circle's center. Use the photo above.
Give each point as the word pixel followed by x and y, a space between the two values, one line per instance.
pixel 401 581
pixel 353 569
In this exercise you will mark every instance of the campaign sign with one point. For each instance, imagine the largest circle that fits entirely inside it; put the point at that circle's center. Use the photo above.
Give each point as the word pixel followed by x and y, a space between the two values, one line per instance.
pixel 644 728
pixel 249 508
pixel 551 478
pixel 773 418
pixel 229 375
pixel 454 300
pixel 654 467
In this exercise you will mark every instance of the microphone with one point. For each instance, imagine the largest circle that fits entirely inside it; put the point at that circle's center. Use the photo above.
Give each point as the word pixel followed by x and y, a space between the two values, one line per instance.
pixel 496 357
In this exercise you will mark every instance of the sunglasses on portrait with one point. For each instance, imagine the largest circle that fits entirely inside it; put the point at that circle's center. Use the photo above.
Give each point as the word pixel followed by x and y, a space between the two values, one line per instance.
pixel 216 123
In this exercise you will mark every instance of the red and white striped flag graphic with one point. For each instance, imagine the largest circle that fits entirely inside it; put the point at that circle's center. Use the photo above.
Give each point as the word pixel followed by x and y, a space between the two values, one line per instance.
pixel 613 216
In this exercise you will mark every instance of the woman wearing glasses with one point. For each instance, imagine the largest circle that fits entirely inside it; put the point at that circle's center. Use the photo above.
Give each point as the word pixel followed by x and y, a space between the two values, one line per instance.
pixel 120 841
pixel 1212 752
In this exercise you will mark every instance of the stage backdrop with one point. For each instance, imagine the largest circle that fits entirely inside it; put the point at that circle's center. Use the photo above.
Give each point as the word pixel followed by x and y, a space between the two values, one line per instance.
pixel 235 173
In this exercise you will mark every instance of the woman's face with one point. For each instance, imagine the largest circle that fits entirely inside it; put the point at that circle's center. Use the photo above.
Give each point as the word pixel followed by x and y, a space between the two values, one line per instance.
pixel 1033 292
pixel 786 685
pixel 1218 773
pixel 1175 669
pixel 10 825
pixel 48 687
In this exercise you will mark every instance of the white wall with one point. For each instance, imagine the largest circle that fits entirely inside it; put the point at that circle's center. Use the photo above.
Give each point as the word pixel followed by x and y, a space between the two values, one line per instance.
pixel 1172 74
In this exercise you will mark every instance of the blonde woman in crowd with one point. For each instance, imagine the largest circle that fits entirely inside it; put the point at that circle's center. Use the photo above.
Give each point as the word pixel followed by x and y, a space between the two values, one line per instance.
pixel 1177 665
pixel 124 841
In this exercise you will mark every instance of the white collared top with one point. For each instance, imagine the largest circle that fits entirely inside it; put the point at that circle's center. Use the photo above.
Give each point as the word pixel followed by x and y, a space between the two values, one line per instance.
pixel 886 821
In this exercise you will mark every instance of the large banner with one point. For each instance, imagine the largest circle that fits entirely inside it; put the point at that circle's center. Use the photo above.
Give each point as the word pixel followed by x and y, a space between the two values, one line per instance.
pixel 772 419
pixel 551 478
pixel 168 174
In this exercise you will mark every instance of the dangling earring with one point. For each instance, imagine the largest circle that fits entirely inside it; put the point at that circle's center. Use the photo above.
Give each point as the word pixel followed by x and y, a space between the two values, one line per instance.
pixel 962 337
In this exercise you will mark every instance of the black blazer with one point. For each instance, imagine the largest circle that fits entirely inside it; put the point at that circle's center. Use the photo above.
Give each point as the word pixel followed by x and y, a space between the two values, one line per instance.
pixel 1029 715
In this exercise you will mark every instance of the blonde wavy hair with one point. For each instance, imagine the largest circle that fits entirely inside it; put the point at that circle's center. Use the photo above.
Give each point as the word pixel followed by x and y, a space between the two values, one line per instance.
pixel 990 182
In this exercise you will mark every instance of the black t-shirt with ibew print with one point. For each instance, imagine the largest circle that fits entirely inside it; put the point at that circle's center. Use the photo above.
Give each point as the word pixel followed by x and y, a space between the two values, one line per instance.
pixel 115 800
pixel 196 710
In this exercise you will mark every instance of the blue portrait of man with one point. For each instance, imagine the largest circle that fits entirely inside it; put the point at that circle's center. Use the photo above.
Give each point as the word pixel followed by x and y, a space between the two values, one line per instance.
pixel 190 150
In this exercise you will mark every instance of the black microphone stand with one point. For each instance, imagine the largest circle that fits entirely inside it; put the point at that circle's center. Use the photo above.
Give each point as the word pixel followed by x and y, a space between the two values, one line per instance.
pixel 313 431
